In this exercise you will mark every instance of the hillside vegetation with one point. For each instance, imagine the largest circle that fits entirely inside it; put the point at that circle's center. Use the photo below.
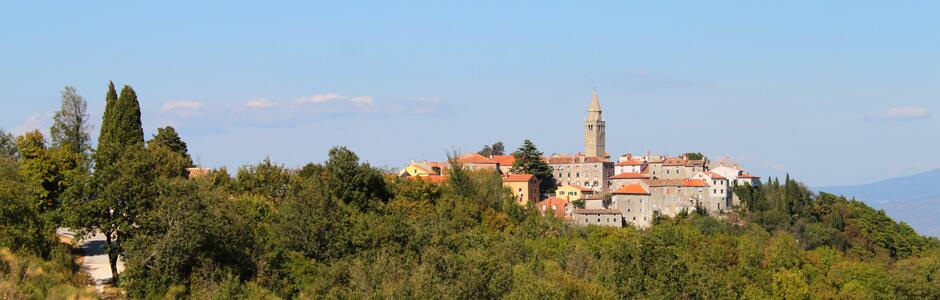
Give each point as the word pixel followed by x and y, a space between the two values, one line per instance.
pixel 345 229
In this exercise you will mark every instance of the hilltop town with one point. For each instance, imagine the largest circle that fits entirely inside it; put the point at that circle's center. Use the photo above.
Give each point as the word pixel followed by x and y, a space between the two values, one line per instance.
pixel 592 189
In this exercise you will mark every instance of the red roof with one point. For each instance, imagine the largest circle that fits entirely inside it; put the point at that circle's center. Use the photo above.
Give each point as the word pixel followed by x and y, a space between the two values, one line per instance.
pixel 746 175
pixel 630 175
pixel 518 178
pixel 694 182
pixel 633 189
pixel 506 160
pixel 475 158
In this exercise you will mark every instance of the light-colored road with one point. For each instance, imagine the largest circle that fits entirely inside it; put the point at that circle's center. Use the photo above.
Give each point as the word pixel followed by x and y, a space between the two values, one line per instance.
pixel 95 261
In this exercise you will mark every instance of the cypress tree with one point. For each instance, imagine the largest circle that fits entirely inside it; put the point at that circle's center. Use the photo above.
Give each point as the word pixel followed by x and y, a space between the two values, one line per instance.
pixel 123 174
pixel 105 139
pixel 128 130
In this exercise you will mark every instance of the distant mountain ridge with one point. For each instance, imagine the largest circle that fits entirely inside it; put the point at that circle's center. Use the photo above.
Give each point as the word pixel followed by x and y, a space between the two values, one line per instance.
pixel 914 199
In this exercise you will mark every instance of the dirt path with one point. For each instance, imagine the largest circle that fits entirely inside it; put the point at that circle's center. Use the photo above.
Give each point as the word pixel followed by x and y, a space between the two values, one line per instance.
pixel 94 257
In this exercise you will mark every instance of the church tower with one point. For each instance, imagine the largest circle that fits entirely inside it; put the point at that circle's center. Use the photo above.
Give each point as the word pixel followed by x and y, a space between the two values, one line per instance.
pixel 594 135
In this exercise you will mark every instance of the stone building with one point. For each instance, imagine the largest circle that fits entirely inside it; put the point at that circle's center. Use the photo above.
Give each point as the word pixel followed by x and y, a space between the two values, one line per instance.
pixel 599 217
pixel 590 172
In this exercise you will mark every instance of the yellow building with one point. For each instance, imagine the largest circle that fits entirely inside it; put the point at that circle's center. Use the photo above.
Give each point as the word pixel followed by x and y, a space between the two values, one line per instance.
pixel 421 169
pixel 525 187
pixel 572 192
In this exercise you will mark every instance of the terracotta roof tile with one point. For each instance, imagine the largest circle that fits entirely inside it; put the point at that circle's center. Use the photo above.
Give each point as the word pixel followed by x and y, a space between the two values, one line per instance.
pixel 633 189
pixel 630 175
pixel 518 178
pixel 506 160
pixel 475 158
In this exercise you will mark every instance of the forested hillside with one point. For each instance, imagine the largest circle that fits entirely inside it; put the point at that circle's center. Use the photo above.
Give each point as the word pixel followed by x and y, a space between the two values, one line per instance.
pixel 345 229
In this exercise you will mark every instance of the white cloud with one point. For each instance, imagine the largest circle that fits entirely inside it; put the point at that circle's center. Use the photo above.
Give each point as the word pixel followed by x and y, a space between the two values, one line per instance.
pixel 181 105
pixel 903 113
pixel 358 101
pixel 260 103
pixel 362 101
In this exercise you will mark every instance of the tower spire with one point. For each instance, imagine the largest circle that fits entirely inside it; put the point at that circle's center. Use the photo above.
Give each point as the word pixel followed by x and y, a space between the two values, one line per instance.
pixel 594 131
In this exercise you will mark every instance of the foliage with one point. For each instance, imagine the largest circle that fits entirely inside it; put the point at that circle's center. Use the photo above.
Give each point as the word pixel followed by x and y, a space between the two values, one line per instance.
pixel 496 149
pixel 22 228
pixel 24 276
pixel 51 170
pixel 170 140
pixel 7 144
pixel 529 160
pixel 694 156
pixel 70 128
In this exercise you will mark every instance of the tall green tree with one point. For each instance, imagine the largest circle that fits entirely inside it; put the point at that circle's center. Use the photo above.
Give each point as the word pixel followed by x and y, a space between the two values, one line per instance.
pixel 529 160
pixel 105 153
pixel 7 144
pixel 70 128
pixel 123 178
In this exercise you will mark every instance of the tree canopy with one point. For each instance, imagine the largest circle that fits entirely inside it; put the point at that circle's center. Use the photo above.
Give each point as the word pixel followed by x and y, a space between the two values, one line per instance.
pixel 529 160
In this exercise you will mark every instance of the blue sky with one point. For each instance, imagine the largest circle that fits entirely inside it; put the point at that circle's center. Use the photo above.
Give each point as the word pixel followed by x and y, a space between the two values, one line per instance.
pixel 840 92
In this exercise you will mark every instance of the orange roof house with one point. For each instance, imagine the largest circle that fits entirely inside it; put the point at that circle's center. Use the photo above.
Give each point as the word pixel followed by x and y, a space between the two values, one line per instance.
pixel 556 205
pixel 632 189
pixel 525 187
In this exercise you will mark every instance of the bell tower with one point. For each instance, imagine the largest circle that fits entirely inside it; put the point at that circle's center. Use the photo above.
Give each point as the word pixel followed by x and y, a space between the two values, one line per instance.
pixel 594 130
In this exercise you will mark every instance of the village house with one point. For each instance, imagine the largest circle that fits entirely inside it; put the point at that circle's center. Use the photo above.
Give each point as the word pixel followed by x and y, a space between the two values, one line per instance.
pixel 573 192
pixel 424 168
pixel 477 162
pixel 620 180
pixel 504 163
pixel 599 217
pixel 633 202
pixel 525 187
pixel 719 191
pixel 736 176
pixel 555 206
pixel 629 164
